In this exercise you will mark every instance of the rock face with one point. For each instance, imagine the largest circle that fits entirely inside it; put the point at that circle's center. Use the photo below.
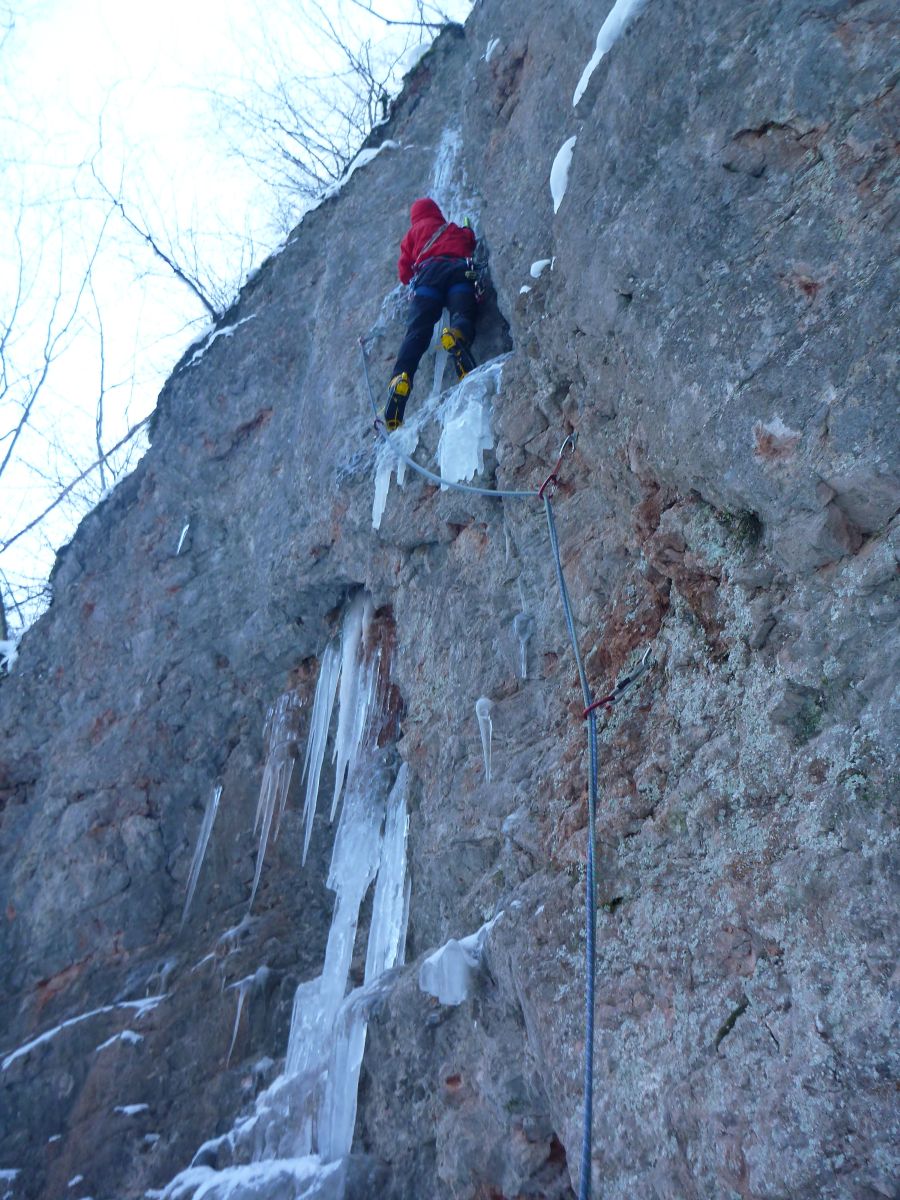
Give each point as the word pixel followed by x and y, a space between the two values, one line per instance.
pixel 717 328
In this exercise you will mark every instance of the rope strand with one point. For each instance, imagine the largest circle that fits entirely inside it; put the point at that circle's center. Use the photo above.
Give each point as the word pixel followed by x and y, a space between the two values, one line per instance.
pixel 590 715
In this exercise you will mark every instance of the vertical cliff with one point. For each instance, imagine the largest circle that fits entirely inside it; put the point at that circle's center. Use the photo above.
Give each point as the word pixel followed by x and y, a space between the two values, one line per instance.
pixel 717 325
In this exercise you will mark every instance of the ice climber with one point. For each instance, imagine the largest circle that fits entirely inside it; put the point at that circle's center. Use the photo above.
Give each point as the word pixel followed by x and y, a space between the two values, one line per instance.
pixel 435 257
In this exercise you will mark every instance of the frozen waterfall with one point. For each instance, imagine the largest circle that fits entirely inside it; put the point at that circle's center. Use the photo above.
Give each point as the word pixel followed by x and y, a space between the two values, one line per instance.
pixel 301 1128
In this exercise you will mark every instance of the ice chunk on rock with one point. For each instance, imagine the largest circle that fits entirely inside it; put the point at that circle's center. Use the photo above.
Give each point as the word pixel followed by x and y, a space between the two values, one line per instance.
pixel 450 972
pixel 559 172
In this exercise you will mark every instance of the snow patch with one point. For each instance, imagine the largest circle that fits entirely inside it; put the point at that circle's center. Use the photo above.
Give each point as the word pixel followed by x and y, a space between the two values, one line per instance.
pixel 620 15
pixel 131 1110
pixel 559 172
pixel 225 331
pixel 362 160
pixel 413 57
pixel 141 1006
pixel 9 653
pixel 127 1035
pixel 524 289
pixel 539 267
pixel 75 1180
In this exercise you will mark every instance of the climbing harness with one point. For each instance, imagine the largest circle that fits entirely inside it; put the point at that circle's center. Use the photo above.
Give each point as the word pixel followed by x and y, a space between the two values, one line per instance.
pixel 591 707
pixel 431 241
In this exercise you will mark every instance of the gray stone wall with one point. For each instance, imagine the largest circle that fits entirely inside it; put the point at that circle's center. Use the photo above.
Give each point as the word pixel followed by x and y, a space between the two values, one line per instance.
pixel 719 327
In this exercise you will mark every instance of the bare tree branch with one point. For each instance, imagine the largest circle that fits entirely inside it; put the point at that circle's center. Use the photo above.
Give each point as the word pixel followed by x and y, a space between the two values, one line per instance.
pixel 70 487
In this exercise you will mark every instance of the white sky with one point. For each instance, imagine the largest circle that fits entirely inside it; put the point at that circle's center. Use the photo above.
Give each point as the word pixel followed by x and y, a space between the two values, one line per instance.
pixel 150 70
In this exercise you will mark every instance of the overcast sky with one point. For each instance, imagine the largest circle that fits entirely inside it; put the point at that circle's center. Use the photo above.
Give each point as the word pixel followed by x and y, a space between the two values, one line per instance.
pixel 150 73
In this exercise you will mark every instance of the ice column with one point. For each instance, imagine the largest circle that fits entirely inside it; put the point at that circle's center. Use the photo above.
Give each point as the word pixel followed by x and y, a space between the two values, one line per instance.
pixel 523 627
pixel 483 708
pixel 209 816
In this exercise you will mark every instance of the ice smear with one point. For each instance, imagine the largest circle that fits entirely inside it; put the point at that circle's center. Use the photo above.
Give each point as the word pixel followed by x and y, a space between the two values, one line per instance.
pixel 8 1174
pixel 209 816
pixel 281 735
pixel 75 1180
pixel 181 539
pixel 539 267
pixel 523 627
pixel 387 931
pixel 559 172
pixel 620 15
pixel 483 708
pixel 356 691
pixel 440 355
pixel 243 987
pixel 445 190
pixel 131 1110
pixel 319 724
pixel 491 47
pixel 449 972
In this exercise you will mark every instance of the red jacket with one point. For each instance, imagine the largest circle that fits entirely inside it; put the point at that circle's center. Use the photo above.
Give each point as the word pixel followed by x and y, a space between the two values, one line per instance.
pixel 425 220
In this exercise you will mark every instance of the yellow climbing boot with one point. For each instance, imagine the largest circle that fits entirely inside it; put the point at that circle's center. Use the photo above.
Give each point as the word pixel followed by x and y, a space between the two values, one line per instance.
pixel 457 347
pixel 398 393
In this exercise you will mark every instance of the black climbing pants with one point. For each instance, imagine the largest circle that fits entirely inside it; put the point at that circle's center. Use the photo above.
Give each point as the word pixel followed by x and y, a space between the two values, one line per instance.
pixel 440 283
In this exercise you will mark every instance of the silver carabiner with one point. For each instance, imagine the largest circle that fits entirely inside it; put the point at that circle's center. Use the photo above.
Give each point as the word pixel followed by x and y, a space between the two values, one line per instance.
pixel 569 444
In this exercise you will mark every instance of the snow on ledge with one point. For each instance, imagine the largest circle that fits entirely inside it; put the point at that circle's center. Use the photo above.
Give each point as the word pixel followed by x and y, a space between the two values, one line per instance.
pixel 620 16
pixel 448 973
pixel 225 331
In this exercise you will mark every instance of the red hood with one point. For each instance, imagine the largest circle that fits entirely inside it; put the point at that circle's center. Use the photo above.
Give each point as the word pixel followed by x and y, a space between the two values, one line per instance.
pixel 425 209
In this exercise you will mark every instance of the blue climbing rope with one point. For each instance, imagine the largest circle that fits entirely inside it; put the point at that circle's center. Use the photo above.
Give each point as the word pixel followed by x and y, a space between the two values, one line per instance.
pixel 590 890
pixel 590 715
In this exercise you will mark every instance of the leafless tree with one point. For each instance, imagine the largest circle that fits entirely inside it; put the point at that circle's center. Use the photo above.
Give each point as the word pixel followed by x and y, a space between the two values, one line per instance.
pixel 300 132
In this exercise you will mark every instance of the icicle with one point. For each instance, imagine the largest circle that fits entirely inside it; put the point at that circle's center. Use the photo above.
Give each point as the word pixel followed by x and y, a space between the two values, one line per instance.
pixel 483 708
pixel 243 986
pixel 281 735
pixel 319 723
pixel 209 816
pixel 523 627
pixel 242 992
